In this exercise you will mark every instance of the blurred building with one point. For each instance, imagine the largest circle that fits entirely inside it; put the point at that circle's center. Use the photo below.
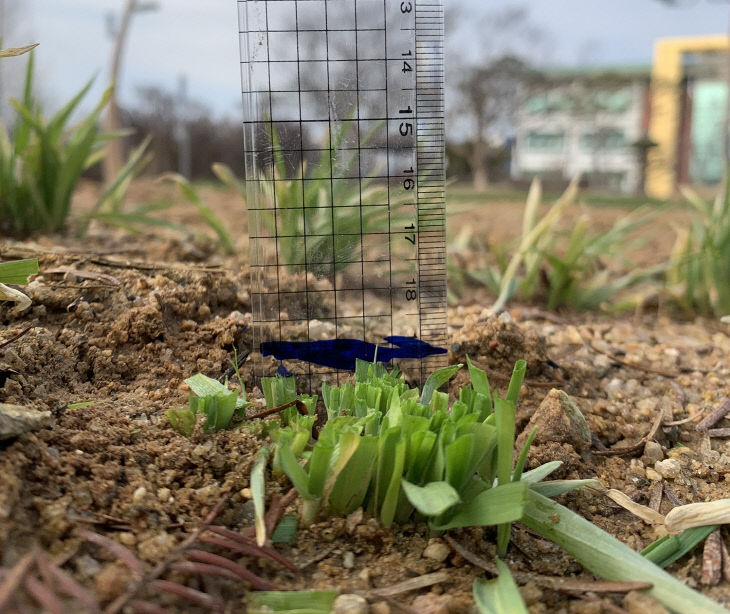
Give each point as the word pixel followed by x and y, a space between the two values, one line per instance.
pixel 588 122
pixel 631 129
pixel 688 114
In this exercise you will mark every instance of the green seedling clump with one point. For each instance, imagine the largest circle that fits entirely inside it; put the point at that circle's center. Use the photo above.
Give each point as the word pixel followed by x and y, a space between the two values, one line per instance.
pixel 404 455
pixel 407 456
pixel 211 398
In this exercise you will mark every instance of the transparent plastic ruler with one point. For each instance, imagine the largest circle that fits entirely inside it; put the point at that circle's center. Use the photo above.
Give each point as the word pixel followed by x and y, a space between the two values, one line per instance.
pixel 344 147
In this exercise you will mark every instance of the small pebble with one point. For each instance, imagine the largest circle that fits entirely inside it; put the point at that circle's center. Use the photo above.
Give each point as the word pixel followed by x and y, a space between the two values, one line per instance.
pixel 350 604
pixel 652 453
pixel 669 468
pixel 436 551
pixel 348 560
pixel 653 475
pixel 380 607
pixel 139 495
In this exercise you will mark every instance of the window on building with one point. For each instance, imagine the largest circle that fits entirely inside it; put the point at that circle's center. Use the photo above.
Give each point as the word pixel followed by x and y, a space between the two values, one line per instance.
pixel 613 101
pixel 549 142
pixel 603 140
pixel 546 103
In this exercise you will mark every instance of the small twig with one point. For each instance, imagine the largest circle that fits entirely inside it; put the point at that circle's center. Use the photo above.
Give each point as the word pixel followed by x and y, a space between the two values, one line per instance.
pixel 301 408
pixel 14 579
pixel 715 415
pixel 556 583
pixel 413 584
pixel 638 447
pixel 317 558
pixel 719 432
pixel 118 604
pixel 16 337
pixel 236 541
pixel 151 266
pixel 691 418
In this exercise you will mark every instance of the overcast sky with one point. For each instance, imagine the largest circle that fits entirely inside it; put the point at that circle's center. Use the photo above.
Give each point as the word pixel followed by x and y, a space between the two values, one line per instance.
pixel 198 38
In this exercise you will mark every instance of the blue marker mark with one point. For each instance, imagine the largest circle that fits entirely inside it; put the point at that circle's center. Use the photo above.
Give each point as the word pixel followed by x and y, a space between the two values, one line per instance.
pixel 342 353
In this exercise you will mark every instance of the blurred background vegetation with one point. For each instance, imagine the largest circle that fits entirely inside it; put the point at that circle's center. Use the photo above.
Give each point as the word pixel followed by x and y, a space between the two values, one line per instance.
pixel 630 133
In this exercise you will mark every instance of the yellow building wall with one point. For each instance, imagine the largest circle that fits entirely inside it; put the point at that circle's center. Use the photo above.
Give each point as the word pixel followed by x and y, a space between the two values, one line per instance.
pixel 666 78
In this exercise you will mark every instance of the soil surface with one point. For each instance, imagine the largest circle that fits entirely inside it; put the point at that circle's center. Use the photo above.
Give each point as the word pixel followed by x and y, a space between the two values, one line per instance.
pixel 121 320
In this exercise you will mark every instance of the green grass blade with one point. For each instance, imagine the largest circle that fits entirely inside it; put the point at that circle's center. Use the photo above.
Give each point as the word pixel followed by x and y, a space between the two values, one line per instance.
pixel 553 488
pixel 522 458
pixel 515 382
pixel 608 558
pixel 206 213
pixel 18 271
pixel 496 505
pixel 499 596
pixel 436 380
pixel 670 548
pixel 540 473
pixel 258 487
pixel 281 602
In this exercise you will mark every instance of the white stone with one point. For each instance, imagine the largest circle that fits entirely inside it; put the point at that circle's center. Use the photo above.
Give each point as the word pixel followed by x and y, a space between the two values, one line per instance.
pixel 669 468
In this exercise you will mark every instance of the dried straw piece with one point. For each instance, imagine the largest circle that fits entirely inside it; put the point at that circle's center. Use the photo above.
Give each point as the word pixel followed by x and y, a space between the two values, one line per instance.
pixel 647 514
pixel 698 515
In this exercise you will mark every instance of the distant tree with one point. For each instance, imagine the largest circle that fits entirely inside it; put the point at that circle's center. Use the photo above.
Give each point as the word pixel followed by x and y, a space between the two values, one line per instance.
pixel 161 113
pixel 491 57
pixel 490 96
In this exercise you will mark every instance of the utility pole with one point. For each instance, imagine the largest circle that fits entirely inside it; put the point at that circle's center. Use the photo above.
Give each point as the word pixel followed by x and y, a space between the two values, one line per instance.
pixel 114 159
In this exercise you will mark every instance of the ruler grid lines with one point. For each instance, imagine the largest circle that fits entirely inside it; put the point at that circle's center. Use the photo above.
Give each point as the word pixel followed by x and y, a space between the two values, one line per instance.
pixel 344 150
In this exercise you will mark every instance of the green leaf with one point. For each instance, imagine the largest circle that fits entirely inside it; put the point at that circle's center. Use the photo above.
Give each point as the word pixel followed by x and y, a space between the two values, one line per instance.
pixel 282 602
pixel 18 271
pixel 494 506
pixel 433 499
pixel 258 486
pixel 182 420
pixel 522 458
pixel 480 383
pixel 499 596
pixel 295 472
pixel 607 557
pixel 219 409
pixel 436 380
pixel 670 548
pixel 206 213
pixel 286 531
pixel 540 473
pixel 515 382
pixel 205 386
pixel 554 488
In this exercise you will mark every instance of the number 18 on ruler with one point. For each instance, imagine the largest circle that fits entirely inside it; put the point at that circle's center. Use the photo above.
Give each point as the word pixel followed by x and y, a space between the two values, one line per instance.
pixel 344 148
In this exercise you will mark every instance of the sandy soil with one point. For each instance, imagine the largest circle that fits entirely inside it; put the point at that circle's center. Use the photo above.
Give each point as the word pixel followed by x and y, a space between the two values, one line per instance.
pixel 121 320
